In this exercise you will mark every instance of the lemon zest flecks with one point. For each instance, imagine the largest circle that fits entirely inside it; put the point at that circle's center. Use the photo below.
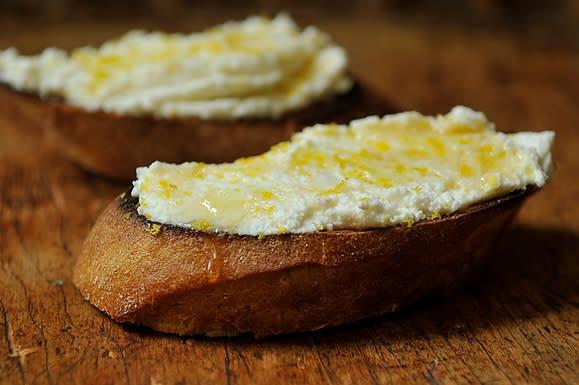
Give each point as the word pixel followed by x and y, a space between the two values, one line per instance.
pixel 153 228
pixel 203 225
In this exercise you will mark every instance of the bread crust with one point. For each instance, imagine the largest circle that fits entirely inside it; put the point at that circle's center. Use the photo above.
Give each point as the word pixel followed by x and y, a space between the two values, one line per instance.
pixel 187 282
pixel 114 145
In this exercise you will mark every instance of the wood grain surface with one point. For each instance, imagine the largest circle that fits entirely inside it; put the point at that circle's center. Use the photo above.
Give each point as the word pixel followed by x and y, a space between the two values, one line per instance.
pixel 517 324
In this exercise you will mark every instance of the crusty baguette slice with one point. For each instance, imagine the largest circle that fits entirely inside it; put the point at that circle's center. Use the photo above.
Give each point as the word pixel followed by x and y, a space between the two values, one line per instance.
pixel 183 281
pixel 114 145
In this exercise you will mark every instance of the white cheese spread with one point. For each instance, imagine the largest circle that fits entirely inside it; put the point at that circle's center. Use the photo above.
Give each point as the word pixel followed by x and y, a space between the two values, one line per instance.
pixel 258 67
pixel 374 172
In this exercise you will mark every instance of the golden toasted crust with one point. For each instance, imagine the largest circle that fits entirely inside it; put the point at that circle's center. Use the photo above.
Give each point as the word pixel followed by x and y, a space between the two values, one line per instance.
pixel 114 145
pixel 188 282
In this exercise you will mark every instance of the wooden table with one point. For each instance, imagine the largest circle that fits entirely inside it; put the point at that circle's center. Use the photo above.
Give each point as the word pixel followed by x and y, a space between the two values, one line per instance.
pixel 519 324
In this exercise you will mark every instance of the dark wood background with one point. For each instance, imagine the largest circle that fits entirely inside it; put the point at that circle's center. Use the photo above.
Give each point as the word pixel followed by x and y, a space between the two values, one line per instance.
pixel 519 323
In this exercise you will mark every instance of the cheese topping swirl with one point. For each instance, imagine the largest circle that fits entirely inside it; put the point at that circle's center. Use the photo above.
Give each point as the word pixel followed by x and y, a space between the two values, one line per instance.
pixel 374 172
pixel 256 68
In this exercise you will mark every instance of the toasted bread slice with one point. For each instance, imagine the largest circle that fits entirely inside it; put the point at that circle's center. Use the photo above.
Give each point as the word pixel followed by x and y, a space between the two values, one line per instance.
pixel 184 281
pixel 114 145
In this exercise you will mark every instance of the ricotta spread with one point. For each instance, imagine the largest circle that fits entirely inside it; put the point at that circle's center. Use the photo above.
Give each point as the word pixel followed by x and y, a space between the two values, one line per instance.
pixel 258 67
pixel 374 172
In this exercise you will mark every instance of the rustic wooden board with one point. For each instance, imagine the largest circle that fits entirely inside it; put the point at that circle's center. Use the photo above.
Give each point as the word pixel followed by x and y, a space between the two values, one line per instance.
pixel 518 324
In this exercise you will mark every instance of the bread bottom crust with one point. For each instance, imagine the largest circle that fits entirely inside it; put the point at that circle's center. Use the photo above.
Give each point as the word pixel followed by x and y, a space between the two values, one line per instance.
pixel 188 282
pixel 114 145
